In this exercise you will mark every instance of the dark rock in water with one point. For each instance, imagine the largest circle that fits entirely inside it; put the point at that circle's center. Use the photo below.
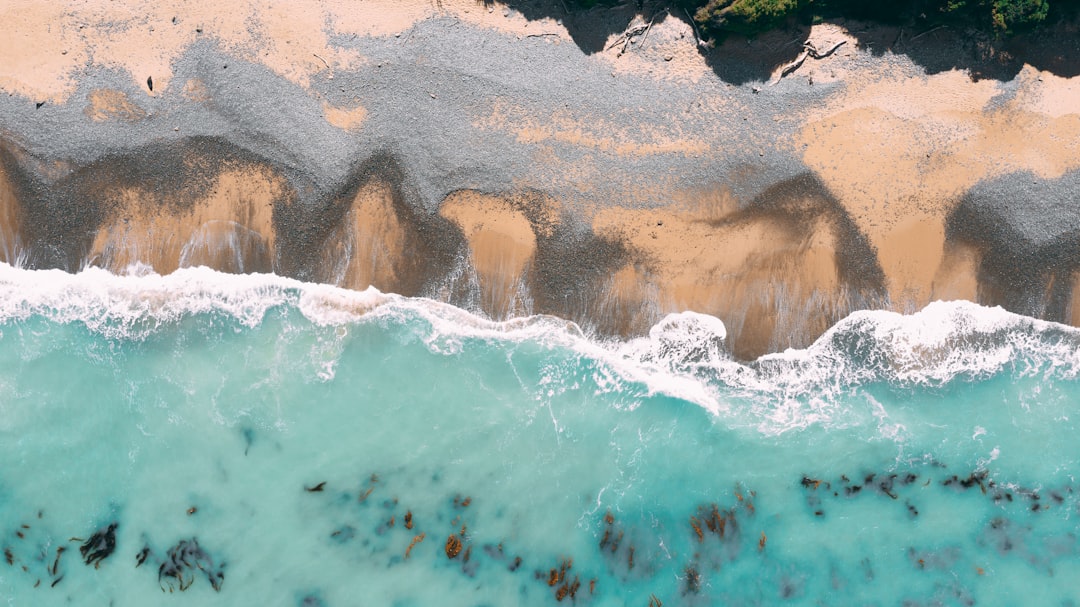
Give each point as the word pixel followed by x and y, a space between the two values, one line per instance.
pixel 54 569
pixel 912 510
pixel 868 570
pixel 692 580
pixel 343 534
pixel 494 551
pixel 249 438
pixel 181 563
pixel 142 556
pixel 311 600
pixel 100 545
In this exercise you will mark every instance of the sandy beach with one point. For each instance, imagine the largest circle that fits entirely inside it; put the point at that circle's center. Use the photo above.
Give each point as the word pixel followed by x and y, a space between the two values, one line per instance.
pixel 518 159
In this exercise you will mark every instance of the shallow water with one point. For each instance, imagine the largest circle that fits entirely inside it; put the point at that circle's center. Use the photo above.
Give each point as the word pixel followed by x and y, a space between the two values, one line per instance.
pixel 924 459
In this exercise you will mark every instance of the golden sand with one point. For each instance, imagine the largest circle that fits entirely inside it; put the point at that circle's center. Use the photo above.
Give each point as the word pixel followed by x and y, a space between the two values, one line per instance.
pixel 502 244
pixel 369 246
pixel 771 278
pixel 900 148
pixel 345 118
pixel 10 224
pixel 230 228
pixel 195 91
pixel 107 104
pixel 48 45
pixel 897 149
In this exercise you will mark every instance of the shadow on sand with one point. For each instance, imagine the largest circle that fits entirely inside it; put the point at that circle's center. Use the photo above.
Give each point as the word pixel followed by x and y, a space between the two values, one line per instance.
pixel 740 60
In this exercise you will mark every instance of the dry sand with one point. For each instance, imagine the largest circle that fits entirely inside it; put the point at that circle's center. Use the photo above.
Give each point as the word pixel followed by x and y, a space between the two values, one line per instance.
pixel 49 45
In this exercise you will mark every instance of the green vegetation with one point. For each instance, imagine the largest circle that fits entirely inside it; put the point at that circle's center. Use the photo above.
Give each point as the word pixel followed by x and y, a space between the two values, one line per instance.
pixel 1008 14
pixel 750 17
pixel 747 17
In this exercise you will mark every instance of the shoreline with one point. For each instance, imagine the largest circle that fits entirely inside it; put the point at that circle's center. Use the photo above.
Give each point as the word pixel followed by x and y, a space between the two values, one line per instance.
pixel 482 159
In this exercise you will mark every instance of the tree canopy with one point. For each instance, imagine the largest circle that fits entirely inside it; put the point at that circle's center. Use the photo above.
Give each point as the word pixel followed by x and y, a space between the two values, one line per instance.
pixel 749 17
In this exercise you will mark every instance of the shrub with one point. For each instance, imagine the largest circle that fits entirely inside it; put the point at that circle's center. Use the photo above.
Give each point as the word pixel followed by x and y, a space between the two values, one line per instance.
pixel 1015 14
pixel 746 17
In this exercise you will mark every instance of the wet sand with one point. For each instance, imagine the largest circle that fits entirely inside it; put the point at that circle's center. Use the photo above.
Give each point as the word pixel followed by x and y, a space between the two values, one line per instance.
pixel 464 152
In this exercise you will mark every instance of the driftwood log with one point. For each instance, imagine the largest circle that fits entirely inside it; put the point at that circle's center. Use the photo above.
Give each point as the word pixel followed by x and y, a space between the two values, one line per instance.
pixel 809 50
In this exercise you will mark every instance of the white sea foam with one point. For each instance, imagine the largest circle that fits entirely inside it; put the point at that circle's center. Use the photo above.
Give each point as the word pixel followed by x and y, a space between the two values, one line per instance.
pixel 684 355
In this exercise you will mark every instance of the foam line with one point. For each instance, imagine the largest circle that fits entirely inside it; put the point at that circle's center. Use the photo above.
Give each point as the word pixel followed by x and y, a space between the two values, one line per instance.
pixel 684 355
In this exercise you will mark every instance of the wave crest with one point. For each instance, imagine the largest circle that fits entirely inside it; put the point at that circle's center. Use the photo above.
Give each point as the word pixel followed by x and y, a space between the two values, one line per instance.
pixel 684 355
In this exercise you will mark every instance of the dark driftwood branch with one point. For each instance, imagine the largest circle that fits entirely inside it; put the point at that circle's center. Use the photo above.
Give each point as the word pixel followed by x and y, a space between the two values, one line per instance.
pixel 929 31
pixel 627 36
pixel 794 65
pixel 693 25
pixel 809 50
pixel 648 29
pixel 816 55
pixel 632 32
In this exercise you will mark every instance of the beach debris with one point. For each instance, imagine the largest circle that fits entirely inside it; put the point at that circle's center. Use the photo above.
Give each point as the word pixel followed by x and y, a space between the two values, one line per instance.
pixel 701 43
pixel 809 50
pixel 100 545
pixel 37 106
pixel 150 83
pixel 637 27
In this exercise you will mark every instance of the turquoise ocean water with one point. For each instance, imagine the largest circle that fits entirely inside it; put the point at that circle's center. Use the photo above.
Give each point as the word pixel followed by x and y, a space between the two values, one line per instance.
pixel 211 439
